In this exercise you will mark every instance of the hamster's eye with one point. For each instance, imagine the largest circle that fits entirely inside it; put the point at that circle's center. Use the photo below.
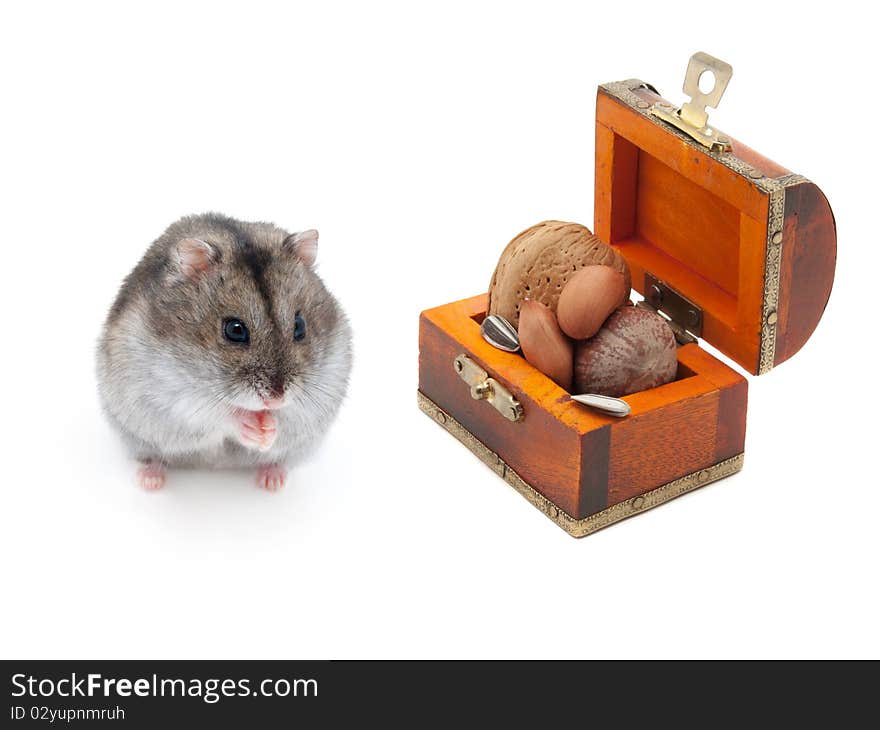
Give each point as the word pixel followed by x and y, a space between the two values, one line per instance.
pixel 299 327
pixel 235 330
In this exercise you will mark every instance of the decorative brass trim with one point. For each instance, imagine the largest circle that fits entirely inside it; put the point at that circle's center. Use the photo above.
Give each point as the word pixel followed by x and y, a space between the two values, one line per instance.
pixel 772 263
pixel 773 267
pixel 775 189
pixel 586 525
pixel 623 91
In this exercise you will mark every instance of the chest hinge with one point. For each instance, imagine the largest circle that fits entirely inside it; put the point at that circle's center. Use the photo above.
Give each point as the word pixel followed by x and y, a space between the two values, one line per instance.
pixel 685 317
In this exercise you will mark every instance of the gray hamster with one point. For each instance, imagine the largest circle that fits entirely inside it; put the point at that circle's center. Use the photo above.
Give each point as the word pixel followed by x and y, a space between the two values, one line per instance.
pixel 224 349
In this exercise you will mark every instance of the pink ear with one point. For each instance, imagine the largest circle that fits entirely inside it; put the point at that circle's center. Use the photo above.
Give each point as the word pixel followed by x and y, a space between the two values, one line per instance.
pixel 194 257
pixel 304 246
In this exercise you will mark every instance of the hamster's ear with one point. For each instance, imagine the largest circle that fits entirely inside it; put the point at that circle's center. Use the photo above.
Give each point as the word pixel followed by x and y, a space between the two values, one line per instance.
pixel 303 245
pixel 192 257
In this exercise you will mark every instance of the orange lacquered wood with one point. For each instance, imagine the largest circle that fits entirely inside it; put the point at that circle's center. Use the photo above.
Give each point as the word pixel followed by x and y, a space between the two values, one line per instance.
pixel 687 219
pixel 809 255
pixel 684 216
pixel 662 445
pixel 696 422
pixel 545 446
pixel 767 166
pixel 673 210
pixel 579 459
pixel 684 159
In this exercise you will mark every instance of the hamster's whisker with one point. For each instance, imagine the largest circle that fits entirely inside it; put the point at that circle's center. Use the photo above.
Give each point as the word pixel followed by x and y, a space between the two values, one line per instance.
pixel 317 386
pixel 218 397
pixel 308 395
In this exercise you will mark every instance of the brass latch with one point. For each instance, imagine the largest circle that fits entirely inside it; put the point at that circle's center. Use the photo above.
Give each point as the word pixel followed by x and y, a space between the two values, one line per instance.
pixel 692 118
pixel 488 389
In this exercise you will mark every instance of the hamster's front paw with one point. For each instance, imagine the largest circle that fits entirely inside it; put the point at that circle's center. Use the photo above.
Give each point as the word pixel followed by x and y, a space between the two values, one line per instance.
pixel 256 429
pixel 151 475
pixel 271 477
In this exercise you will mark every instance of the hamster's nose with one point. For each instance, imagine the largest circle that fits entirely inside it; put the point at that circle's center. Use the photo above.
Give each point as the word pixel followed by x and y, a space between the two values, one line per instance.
pixel 276 386
pixel 273 402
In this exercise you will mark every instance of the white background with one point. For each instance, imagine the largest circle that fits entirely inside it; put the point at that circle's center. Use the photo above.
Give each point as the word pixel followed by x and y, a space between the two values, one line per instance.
pixel 419 141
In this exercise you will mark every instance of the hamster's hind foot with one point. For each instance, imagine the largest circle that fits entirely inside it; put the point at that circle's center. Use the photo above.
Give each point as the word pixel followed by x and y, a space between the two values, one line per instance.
pixel 256 429
pixel 271 477
pixel 151 475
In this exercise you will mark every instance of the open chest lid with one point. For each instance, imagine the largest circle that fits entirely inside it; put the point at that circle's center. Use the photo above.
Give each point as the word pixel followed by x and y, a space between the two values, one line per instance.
pixel 731 246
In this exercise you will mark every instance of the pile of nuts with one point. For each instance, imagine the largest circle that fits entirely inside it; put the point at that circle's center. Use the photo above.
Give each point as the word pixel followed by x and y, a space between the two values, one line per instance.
pixel 567 293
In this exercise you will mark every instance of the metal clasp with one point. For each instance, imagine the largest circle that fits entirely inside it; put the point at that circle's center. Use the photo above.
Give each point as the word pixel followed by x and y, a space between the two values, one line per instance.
pixel 692 118
pixel 488 389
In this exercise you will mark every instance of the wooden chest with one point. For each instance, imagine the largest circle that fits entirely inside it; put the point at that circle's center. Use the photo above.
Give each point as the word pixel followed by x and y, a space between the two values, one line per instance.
pixel 732 247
